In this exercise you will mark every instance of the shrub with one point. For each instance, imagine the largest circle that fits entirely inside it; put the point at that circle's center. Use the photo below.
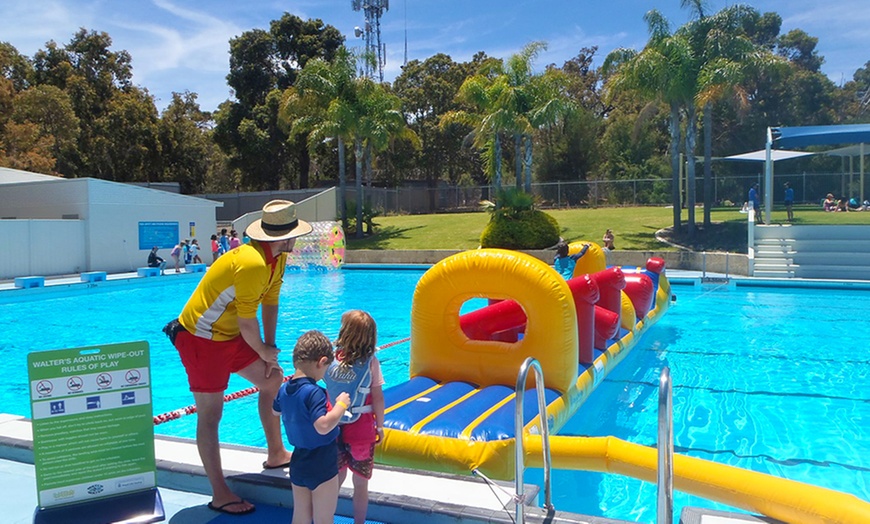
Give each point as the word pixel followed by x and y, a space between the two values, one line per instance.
pixel 515 224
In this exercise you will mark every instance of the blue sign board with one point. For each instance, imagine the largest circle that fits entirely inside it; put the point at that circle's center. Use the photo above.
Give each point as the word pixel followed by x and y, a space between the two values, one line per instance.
pixel 164 235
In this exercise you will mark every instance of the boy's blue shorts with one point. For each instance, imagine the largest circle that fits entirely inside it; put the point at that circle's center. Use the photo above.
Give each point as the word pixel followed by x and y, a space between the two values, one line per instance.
pixel 310 468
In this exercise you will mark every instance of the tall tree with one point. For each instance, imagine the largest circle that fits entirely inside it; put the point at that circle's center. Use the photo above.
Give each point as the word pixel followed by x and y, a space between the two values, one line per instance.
pixel 51 110
pixel 91 74
pixel 663 73
pixel 262 65
pixel 185 143
pixel 728 62
pixel 323 105
pixel 428 91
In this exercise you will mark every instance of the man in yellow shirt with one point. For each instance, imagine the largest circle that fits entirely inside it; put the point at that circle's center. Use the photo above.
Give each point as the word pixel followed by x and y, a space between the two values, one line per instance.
pixel 219 334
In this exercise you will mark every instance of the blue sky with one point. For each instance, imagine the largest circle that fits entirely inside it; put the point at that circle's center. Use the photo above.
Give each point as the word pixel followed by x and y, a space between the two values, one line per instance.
pixel 180 45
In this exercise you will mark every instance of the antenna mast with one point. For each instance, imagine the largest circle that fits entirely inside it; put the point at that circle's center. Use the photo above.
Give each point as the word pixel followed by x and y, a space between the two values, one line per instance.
pixel 373 10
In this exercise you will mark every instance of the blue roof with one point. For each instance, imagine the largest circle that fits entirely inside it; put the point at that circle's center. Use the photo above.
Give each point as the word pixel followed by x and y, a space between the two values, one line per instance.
pixel 821 135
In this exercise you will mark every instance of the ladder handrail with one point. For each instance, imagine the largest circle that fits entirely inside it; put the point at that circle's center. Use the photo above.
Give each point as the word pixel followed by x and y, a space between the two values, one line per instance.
pixel 665 477
pixel 519 433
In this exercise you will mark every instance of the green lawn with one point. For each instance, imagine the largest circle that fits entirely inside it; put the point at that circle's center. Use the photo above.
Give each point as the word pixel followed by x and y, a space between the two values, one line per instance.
pixel 634 227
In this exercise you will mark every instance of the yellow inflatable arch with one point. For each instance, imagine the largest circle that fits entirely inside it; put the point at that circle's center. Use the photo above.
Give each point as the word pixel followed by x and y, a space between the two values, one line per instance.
pixel 440 349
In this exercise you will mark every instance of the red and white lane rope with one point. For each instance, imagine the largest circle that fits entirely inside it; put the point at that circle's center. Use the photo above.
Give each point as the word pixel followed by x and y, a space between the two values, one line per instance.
pixel 191 409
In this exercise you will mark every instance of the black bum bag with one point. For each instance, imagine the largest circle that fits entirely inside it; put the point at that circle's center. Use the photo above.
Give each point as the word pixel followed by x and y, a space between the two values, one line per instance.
pixel 172 328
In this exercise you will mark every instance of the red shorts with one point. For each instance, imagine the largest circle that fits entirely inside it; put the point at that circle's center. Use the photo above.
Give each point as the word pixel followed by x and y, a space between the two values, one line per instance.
pixel 356 445
pixel 209 363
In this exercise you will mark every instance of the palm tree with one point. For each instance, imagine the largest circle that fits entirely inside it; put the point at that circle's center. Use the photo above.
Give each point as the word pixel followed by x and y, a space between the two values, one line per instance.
pixel 662 72
pixel 381 121
pixel 482 93
pixel 324 103
pixel 728 60
pixel 550 104
pixel 506 97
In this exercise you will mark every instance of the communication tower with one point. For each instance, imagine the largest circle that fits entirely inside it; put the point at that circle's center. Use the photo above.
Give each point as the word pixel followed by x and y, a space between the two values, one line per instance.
pixel 373 10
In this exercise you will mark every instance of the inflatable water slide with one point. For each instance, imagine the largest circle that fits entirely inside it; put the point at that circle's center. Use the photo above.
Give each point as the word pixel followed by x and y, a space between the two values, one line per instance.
pixel 456 413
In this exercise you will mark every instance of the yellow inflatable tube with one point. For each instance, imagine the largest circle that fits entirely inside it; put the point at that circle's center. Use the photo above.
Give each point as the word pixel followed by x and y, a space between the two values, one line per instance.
pixel 782 499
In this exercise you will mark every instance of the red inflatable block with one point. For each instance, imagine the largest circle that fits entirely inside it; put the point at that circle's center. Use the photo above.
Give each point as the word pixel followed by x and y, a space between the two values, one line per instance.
pixel 656 265
pixel 606 326
pixel 639 288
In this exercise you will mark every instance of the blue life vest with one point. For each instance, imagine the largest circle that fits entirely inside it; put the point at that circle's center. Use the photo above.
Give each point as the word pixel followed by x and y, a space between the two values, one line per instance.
pixel 356 381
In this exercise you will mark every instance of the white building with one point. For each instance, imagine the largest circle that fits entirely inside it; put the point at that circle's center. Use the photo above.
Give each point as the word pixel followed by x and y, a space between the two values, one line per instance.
pixel 55 226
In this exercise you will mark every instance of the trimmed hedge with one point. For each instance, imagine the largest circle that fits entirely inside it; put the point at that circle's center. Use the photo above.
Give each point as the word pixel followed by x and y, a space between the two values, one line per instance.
pixel 529 229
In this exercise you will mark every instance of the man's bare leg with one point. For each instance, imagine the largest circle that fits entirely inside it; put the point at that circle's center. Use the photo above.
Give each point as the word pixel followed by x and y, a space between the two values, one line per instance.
pixel 277 454
pixel 209 409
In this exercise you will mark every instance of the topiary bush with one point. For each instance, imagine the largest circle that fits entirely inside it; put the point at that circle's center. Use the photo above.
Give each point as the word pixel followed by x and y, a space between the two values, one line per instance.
pixel 515 224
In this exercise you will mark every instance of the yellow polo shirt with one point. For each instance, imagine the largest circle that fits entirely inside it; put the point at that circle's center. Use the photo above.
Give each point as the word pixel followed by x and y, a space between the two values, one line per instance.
pixel 234 286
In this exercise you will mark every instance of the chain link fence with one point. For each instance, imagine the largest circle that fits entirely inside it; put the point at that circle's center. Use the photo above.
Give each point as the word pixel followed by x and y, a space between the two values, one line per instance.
pixel 726 191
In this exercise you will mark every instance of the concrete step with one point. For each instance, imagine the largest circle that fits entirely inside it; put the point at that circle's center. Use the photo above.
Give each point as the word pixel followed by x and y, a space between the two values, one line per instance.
pixel 828 246
pixel 770 273
pixel 774 267
pixel 835 272
pixel 775 240
pixel 832 259
pixel 774 253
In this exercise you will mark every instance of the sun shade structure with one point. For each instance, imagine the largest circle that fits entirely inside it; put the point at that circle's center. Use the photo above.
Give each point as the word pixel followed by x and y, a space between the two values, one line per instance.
pixel 804 136
pixel 761 155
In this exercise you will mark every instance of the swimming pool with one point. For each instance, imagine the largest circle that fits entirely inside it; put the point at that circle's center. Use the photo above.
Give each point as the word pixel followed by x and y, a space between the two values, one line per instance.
pixel 763 378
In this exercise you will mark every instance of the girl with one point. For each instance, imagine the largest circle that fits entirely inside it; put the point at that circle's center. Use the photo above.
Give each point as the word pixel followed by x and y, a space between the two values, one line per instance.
pixel 357 372
pixel 215 248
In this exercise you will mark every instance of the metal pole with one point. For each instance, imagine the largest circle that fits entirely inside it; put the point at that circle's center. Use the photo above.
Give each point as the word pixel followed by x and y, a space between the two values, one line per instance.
pixel 768 177
pixel 519 433
pixel 665 486
pixel 862 173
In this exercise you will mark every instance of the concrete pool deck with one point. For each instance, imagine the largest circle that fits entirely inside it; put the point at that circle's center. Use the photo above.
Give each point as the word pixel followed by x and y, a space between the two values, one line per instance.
pixel 396 495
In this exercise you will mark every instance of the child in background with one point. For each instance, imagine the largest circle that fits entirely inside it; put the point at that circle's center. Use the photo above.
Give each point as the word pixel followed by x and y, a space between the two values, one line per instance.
pixel 607 240
pixel 235 241
pixel 215 248
pixel 564 263
pixel 356 371
pixel 312 429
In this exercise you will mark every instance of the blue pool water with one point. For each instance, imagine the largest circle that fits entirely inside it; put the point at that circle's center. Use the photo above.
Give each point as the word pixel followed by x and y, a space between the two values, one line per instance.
pixel 773 380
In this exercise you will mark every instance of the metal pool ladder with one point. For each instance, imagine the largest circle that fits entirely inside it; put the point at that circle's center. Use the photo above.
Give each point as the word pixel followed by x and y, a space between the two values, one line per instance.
pixel 518 432
pixel 665 480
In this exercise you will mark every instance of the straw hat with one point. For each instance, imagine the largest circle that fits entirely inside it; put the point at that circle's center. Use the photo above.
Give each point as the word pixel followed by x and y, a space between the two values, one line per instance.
pixel 279 222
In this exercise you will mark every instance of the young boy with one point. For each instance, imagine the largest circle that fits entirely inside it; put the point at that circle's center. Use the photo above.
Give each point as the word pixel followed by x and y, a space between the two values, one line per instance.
pixel 312 429
pixel 564 263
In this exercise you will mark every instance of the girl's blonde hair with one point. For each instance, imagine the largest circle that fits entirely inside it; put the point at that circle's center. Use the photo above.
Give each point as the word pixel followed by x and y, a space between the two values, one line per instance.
pixel 357 337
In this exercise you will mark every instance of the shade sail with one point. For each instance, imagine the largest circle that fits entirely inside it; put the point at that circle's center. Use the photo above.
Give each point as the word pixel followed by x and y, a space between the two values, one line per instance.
pixel 820 135
pixel 853 150
pixel 760 155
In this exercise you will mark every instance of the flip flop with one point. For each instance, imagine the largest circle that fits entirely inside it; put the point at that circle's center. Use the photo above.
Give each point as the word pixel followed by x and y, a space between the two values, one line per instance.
pixel 279 466
pixel 223 508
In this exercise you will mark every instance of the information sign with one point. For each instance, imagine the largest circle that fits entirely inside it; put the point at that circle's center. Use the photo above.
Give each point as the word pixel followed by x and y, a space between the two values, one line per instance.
pixel 93 431
pixel 164 235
